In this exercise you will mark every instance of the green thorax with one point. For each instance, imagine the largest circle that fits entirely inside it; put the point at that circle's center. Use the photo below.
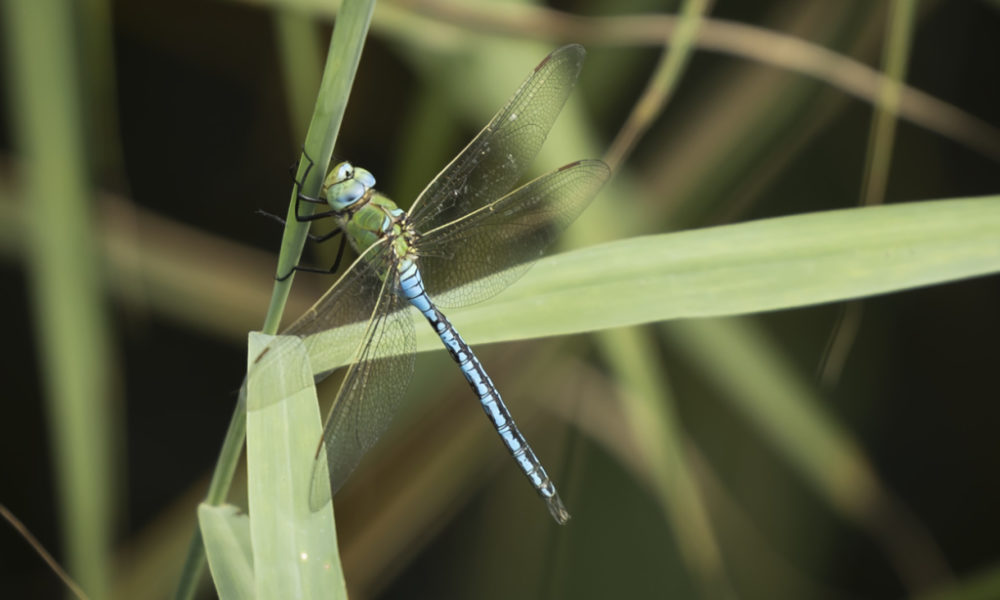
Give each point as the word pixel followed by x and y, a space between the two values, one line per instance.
pixel 365 215
pixel 373 220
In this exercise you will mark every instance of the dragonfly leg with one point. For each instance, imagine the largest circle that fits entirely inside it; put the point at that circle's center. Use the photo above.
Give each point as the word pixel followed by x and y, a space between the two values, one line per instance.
pixel 313 217
pixel 319 239
pixel 295 167
pixel 299 196
pixel 331 270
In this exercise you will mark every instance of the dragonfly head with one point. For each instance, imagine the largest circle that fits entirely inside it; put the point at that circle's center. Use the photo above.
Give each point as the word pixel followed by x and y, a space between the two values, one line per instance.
pixel 346 185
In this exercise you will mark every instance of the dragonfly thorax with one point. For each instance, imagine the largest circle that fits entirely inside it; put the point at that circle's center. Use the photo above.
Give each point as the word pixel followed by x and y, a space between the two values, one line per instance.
pixel 366 216
pixel 347 185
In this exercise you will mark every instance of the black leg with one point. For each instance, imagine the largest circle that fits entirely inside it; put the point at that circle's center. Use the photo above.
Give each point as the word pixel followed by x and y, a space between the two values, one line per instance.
pixel 330 271
pixel 314 216
pixel 319 239
pixel 340 254
pixel 299 196
pixel 304 269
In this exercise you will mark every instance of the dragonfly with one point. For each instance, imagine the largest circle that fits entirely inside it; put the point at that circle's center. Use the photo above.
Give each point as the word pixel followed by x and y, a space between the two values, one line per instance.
pixel 465 238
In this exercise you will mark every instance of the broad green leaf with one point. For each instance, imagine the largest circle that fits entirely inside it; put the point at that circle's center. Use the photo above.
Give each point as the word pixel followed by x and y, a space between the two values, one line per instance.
pixel 227 543
pixel 757 266
pixel 294 549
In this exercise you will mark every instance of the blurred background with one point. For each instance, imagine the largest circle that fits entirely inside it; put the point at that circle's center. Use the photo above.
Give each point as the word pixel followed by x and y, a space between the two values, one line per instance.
pixel 836 451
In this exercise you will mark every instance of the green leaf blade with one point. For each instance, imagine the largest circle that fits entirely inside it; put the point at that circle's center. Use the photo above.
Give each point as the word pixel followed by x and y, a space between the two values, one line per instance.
pixel 295 548
pixel 752 267
pixel 227 545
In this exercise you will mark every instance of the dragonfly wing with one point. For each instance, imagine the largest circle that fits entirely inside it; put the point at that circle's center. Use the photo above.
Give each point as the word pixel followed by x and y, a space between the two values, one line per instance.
pixel 351 299
pixel 497 157
pixel 496 244
pixel 369 395
pixel 379 372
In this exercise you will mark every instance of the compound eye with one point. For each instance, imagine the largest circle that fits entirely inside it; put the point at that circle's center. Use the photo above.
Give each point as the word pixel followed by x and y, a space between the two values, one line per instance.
pixel 345 171
pixel 365 177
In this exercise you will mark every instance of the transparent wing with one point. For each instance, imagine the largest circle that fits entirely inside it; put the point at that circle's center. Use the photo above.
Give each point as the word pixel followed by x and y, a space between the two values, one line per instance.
pixel 495 245
pixel 379 373
pixel 351 299
pixel 369 396
pixel 495 160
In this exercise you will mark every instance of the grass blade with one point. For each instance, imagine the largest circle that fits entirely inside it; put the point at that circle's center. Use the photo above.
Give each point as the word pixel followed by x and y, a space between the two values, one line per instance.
pixel 227 544
pixel 295 549
pixel 770 264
